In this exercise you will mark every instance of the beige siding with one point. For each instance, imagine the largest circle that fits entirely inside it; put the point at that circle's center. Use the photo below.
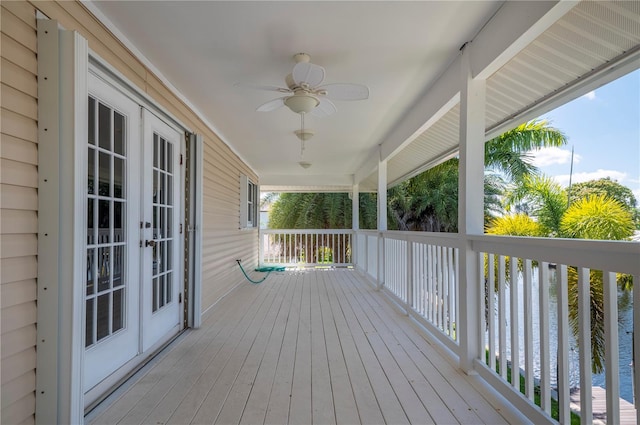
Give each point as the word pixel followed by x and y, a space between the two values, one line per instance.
pixel 18 210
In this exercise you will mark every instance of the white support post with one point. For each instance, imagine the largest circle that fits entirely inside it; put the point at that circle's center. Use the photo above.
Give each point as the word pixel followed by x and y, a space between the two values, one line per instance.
pixel 382 218
pixel 470 207
pixel 63 58
pixel 48 221
pixel 355 207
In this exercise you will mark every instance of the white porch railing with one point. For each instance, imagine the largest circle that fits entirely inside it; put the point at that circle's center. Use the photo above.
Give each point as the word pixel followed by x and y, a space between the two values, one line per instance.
pixel 420 272
pixel 293 248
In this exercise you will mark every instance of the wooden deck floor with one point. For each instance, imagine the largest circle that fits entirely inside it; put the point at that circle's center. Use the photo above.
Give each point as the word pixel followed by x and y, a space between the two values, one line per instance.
pixel 303 347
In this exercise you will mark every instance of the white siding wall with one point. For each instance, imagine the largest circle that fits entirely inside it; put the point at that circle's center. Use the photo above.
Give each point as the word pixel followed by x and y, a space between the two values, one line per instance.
pixel 18 206
pixel 223 242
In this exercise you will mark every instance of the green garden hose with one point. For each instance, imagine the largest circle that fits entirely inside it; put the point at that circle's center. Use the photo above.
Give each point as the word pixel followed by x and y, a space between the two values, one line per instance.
pixel 268 270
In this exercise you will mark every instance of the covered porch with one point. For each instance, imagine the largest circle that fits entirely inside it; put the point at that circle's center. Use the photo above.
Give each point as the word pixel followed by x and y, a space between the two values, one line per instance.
pixel 306 346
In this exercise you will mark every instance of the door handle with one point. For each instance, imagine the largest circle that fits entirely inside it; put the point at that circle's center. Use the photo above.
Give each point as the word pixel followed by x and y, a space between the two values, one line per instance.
pixel 151 243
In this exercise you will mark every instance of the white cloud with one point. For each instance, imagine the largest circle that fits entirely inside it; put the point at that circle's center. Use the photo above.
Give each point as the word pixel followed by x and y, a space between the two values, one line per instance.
pixel 591 95
pixel 593 175
pixel 552 156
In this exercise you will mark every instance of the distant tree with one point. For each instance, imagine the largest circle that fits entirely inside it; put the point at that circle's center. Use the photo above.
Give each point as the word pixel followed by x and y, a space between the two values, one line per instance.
pixel 545 200
pixel 311 211
pixel 515 225
pixel 368 210
pixel 604 186
pixel 611 188
pixel 427 202
pixel 597 217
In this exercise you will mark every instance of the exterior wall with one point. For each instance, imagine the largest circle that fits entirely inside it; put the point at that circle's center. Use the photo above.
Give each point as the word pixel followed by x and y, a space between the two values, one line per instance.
pixel 18 211
pixel 223 242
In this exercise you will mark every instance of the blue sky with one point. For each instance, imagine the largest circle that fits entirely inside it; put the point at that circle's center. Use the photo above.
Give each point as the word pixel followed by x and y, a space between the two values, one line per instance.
pixel 603 127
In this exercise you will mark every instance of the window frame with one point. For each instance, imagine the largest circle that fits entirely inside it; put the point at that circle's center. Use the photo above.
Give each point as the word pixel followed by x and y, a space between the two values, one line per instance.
pixel 248 203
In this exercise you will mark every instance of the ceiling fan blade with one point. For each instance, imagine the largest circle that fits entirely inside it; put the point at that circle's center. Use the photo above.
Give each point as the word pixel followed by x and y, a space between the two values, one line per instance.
pixel 324 108
pixel 346 91
pixel 271 105
pixel 305 72
pixel 263 87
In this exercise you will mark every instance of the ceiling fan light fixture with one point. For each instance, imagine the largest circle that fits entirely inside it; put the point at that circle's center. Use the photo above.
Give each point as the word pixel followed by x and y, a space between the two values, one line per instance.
pixel 304 164
pixel 301 103
pixel 304 134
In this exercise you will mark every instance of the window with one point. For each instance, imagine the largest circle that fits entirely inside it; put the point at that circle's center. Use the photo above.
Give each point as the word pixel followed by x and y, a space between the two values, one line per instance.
pixel 248 203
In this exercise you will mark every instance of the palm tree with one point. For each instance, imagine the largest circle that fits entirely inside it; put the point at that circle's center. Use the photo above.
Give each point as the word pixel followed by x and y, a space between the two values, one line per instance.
pixel 540 197
pixel 593 217
pixel 509 153
pixel 429 201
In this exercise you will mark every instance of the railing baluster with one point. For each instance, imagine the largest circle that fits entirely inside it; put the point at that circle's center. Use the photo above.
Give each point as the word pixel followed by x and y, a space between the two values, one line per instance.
pixel 431 282
pixel 563 345
pixel 514 324
pixel 423 261
pixel 502 317
pixel 453 278
pixel 439 288
pixel 409 275
pixel 482 343
pixel 584 342
pixel 445 289
pixel 491 290
pixel 545 368
pixel 612 359
pixel 635 362
pixel 528 330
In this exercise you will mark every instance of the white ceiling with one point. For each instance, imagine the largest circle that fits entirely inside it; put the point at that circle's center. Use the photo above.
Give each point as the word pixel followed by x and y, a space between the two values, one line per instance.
pixel 203 49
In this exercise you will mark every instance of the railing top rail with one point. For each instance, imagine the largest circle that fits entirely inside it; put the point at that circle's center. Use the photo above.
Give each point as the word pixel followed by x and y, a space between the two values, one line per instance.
pixel 452 240
pixel 306 231
pixel 615 256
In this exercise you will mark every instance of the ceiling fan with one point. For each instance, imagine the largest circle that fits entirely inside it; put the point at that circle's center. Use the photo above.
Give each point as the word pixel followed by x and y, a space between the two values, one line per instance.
pixel 306 95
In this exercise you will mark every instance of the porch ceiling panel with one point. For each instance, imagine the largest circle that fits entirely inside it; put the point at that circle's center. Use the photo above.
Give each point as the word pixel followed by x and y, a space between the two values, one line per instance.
pixel 589 35
pixel 430 148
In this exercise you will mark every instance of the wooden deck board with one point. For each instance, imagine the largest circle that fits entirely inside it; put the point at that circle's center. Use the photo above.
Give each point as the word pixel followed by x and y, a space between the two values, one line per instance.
pixel 464 401
pixel 304 347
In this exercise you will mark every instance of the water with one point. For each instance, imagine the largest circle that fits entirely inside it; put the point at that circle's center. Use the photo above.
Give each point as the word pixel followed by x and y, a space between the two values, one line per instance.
pixel 625 328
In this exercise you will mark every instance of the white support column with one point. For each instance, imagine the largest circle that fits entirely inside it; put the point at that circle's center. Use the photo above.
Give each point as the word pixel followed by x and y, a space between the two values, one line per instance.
pixel 470 207
pixel 355 207
pixel 382 218
pixel 355 224
pixel 48 220
pixel 62 130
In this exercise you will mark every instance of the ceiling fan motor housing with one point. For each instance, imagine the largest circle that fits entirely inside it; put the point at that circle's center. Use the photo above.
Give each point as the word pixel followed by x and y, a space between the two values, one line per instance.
pixel 301 102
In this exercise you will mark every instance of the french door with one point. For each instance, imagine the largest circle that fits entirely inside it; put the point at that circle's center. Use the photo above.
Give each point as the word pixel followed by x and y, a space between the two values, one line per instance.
pixel 161 213
pixel 132 290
